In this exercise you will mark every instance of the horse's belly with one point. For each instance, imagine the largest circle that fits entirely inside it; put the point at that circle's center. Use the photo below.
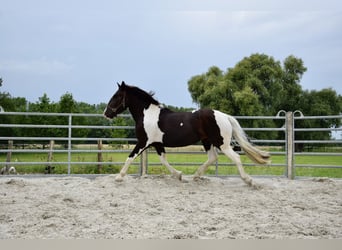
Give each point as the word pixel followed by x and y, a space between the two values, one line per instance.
pixel 179 139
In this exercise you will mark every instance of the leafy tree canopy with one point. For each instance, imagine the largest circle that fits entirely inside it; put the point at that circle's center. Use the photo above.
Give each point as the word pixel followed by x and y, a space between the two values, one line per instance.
pixel 257 85
pixel 261 85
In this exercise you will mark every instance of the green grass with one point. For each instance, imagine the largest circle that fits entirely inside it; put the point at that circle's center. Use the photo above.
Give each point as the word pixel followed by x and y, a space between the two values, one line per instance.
pixel 156 168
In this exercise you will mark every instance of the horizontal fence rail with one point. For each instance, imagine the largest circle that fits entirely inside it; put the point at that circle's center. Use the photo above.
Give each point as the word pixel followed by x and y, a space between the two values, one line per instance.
pixel 72 145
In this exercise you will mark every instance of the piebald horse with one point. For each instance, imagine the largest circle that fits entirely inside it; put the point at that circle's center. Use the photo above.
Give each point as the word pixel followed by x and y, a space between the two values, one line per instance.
pixel 160 127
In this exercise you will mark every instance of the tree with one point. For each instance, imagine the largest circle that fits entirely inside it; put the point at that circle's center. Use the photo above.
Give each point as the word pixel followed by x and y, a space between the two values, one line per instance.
pixel 11 104
pixel 14 104
pixel 318 103
pixel 67 104
pixel 248 101
pixel 291 93
pixel 262 74
pixel 43 105
pixel 260 85
pixel 274 86
pixel 8 104
pixel 271 83
pixel 204 88
pixel 252 87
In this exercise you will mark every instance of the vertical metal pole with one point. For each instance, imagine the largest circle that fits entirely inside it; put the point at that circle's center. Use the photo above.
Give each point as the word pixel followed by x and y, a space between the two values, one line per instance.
pixel 290 145
pixel 69 144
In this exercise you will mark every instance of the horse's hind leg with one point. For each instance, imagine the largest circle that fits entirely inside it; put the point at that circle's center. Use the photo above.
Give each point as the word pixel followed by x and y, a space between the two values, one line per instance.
pixel 235 157
pixel 212 157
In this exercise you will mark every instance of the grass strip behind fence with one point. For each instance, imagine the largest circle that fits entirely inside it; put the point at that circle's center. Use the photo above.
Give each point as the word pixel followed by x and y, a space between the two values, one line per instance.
pixel 188 162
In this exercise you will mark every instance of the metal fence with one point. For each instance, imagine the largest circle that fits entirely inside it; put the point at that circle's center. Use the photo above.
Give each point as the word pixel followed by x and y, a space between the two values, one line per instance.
pixel 286 145
pixel 338 142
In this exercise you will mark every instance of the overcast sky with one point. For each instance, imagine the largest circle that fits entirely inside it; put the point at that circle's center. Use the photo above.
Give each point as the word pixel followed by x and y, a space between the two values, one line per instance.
pixel 85 47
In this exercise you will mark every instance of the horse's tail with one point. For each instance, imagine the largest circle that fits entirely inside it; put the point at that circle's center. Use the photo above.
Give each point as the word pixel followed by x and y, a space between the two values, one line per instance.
pixel 258 156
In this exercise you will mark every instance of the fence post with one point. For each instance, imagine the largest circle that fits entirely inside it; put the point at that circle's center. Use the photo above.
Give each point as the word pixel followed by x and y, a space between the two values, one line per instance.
pixel 49 168
pixel 69 143
pixel 290 173
pixel 99 156
pixel 9 155
pixel 143 163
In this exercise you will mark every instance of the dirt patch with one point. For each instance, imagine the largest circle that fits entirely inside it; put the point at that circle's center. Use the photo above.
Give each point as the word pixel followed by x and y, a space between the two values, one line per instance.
pixel 160 207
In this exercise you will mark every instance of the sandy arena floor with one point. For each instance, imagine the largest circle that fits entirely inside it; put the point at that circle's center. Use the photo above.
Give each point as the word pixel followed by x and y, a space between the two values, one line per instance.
pixel 160 207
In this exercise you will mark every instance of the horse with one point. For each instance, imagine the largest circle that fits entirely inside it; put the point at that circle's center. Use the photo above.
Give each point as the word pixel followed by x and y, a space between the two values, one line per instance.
pixel 159 127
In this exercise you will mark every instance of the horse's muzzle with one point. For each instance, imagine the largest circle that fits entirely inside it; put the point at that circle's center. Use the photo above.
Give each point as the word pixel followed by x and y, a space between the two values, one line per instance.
pixel 109 114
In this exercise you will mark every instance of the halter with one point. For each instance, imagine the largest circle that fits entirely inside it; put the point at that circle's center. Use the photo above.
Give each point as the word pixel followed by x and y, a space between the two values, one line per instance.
pixel 122 103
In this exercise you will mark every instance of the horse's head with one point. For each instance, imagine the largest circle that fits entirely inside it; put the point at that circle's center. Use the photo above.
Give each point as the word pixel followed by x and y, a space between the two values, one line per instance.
pixel 117 104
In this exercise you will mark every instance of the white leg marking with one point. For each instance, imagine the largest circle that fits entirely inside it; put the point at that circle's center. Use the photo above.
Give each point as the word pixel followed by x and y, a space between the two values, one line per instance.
pixel 124 169
pixel 235 157
pixel 174 172
pixel 212 157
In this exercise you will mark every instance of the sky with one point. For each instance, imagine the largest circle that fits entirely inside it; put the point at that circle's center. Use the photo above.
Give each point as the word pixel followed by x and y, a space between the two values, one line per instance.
pixel 85 47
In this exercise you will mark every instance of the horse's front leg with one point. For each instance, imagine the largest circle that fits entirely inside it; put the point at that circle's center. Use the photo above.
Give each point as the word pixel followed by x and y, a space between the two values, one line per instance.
pixel 161 152
pixel 175 173
pixel 136 151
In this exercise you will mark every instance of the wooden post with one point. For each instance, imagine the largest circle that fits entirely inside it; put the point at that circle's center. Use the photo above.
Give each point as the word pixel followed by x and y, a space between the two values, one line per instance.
pixel 9 155
pixel 49 168
pixel 99 156
pixel 290 145
pixel 50 154
pixel 143 163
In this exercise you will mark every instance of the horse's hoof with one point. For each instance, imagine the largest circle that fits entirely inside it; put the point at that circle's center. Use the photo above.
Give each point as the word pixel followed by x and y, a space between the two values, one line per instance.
pixel 200 179
pixel 118 178
pixel 250 182
pixel 177 175
pixel 197 178
pixel 257 186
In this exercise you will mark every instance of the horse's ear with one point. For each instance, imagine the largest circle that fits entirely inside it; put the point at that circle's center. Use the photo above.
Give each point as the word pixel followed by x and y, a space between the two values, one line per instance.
pixel 122 85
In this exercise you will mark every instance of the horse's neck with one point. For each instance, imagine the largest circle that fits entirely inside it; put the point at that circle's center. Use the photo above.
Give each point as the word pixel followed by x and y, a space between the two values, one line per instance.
pixel 137 111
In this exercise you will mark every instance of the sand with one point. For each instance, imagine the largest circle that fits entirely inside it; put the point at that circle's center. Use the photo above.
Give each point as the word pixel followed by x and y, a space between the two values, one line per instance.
pixel 160 207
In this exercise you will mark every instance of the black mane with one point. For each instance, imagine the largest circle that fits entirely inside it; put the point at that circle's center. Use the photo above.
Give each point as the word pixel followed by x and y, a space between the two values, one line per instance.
pixel 142 94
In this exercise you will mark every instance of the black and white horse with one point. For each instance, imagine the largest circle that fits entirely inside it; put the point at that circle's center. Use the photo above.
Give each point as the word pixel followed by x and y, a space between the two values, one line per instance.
pixel 160 127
